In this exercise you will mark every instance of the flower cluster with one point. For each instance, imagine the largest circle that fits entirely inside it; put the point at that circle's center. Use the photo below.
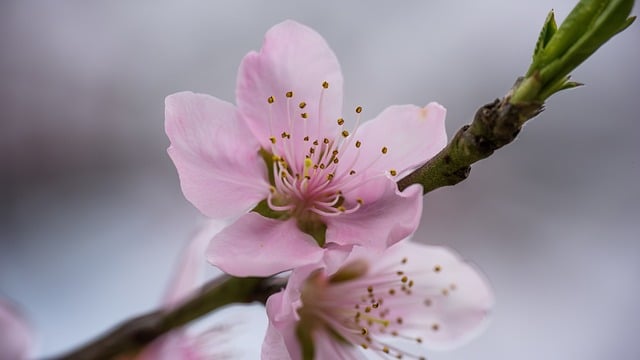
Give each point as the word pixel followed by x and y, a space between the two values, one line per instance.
pixel 303 191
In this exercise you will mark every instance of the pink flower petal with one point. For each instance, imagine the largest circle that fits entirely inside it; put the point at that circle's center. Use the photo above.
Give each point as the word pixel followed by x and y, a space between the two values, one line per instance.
pixel 258 246
pixel 189 273
pixel 16 340
pixel 411 134
pixel 217 160
pixel 293 58
pixel 280 341
pixel 460 306
pixel 380 223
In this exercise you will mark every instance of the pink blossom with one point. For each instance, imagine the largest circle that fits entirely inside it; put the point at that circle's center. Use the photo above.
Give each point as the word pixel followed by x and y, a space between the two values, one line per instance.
pixel 16 339
pixel 284 151
pixel 396 304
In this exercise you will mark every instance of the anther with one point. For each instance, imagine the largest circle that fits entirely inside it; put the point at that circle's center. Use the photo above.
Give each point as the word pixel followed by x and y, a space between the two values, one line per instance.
pixel 435 327
pixel 437 268
pixel 340 121
pixel 272 139
pixel 358 143
pixel 271 99
pixel 307 165
pixel 384 150
pixel 352 172
pixel 393 172
pixel 360 201
pixel 359 109
pixel 325 140
pixel 306 138
pixel 345 133
pixel 302 105
pixel 289 94
pixel 364 331
pixel 325 85
pixel 303 115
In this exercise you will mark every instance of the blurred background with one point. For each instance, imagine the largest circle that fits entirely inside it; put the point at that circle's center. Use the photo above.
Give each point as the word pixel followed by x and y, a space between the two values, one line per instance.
pixel 92 217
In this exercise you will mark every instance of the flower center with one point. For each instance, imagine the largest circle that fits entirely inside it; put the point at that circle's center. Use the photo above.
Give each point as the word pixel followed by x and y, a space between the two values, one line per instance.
pixel 309 174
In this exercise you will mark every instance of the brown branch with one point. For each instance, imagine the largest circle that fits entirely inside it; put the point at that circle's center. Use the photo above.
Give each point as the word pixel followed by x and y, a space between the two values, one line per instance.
pixel 132 335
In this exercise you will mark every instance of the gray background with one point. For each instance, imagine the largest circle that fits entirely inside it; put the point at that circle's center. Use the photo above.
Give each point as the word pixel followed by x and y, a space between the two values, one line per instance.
pixel 92 214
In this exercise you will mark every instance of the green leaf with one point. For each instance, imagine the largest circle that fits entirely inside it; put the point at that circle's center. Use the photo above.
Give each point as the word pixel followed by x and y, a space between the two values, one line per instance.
pixel 548 29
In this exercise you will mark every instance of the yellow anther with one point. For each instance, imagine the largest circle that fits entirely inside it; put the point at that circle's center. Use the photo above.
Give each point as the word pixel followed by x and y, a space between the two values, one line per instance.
pixel 364 331
pixel 289 94
pixel 302 105
pixel 308 163
pixel 437 268
pixel 345 133
pixel 271 99
pixel 358 143
pixel 335 152
pixel 343 209
pixel 340 121
pixel 325 140
pixel 384 150
pixel 304 115
pixel 359 109
pixel 329 176
pixel 315 142
pixel 272 139
pixel 272 189
pixel 393 172
pixel 325 85
pixel 335 161
pixel 385 350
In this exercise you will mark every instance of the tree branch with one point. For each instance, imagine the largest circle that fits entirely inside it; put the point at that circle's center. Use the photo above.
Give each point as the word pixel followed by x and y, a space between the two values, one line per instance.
pixel 494 126
pixel 132 335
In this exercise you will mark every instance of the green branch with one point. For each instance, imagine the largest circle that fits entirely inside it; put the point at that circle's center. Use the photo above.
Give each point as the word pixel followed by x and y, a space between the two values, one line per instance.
pixel 557 52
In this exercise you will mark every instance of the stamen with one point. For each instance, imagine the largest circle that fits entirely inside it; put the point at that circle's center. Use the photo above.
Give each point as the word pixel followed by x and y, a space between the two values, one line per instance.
pixel 289 94
pixel 307 165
